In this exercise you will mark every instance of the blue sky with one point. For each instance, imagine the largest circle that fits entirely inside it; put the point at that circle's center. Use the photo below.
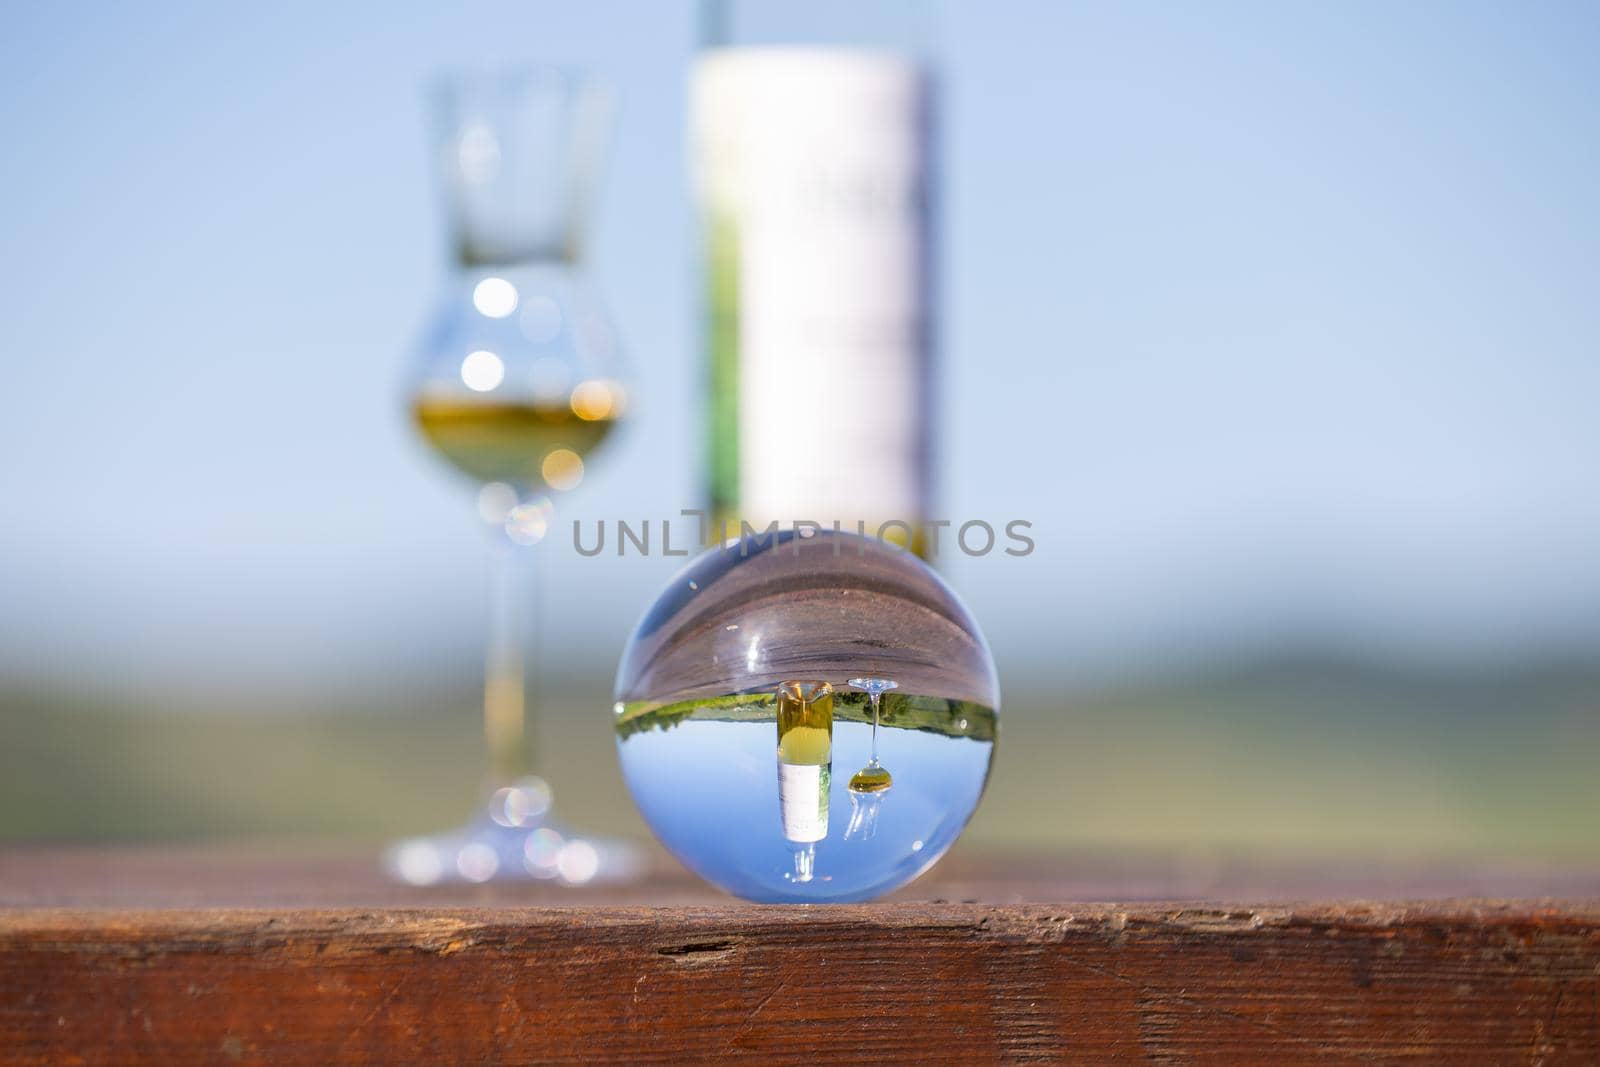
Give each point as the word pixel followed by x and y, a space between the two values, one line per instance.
pixel 1278 321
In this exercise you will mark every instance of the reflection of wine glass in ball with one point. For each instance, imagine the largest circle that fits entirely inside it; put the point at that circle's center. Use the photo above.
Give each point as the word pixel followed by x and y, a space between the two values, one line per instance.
pixel 874 777
pixel 517 386
pixel 790 642
pixel 870 783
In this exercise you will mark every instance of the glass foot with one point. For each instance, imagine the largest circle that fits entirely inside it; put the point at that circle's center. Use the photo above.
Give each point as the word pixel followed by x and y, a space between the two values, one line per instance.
pixel 864 809
pixel 514 840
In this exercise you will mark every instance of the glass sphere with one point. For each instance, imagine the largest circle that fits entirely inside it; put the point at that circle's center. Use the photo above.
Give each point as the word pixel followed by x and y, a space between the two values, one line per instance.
pixel 807 717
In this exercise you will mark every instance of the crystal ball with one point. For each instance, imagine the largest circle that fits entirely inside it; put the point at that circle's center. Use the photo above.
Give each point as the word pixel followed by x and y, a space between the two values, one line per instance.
pixel 807 717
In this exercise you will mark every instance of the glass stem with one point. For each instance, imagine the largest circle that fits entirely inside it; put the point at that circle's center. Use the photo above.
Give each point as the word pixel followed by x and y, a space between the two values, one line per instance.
pixel 506 720
pixel 875 699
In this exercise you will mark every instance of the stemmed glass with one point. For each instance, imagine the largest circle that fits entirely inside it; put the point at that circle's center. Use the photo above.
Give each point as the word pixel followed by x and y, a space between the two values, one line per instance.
pixel 868 785
pixel 518 382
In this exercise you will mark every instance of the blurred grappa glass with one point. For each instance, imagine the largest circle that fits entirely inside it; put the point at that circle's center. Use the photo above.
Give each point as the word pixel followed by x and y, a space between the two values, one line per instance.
pixel 518 383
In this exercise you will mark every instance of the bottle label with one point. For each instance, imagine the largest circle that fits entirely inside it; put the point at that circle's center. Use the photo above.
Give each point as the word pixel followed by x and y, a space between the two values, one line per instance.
pixel 803 800
pixel 811 167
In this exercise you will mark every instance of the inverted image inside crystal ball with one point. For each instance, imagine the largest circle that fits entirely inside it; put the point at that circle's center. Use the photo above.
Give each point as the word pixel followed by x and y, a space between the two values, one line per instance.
pixel 807 717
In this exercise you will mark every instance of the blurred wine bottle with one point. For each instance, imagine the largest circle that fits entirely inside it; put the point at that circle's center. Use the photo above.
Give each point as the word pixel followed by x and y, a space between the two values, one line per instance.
pixel 811 129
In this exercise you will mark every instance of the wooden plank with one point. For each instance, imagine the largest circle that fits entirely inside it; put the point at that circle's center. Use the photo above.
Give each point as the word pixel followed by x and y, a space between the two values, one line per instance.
pixel 1456 982
pixel 296 955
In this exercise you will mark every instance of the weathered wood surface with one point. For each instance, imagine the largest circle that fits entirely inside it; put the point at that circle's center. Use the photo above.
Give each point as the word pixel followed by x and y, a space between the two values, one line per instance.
pixel 497 980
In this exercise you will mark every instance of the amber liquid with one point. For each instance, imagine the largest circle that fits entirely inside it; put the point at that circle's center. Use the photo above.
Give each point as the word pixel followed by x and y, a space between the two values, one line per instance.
pixel 508 440
pixel 805 724
pixel 871 780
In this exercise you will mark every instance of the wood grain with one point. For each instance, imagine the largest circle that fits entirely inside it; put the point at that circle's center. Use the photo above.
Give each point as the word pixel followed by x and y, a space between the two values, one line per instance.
pixel 1460 983
pixel 1442 981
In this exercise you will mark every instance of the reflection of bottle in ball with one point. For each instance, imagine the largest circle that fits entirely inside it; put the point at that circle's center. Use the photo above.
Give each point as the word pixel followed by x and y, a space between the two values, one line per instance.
pixel 805 766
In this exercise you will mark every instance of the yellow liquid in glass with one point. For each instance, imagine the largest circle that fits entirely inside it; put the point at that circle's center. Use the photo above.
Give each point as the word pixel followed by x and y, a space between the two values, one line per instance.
pixel 509 440
pixel 805 723
pixel 806 746
pixel 871 780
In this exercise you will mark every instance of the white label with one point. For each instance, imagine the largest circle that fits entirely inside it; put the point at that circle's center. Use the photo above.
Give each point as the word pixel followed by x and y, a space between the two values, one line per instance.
pixel 818 158
pixel 803 799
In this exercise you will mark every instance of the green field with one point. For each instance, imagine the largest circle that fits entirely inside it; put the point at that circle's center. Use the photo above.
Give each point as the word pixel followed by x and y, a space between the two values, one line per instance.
pixel 1287 758
pixel 900 711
